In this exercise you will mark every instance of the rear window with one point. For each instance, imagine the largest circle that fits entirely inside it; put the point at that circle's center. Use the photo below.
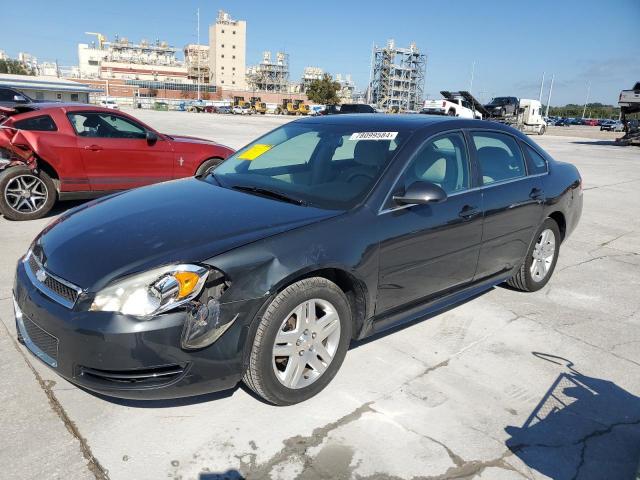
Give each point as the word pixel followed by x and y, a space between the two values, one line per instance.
pixel 536 162
pixel 41 123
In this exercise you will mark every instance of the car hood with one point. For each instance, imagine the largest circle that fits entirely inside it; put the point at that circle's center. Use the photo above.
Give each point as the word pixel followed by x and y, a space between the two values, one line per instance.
pixel 187 139
pixel 187 220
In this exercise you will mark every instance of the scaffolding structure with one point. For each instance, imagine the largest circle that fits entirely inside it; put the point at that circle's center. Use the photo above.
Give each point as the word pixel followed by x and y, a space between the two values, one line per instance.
pixel 397 77
pixel 269 75
pixel 146 53
pixel 309 75
pixel 196 59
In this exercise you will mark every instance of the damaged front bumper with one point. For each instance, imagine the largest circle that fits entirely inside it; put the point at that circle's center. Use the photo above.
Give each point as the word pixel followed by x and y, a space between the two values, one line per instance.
pixel 126 357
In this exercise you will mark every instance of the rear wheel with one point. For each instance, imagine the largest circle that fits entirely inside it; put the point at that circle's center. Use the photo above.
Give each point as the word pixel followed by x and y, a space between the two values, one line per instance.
pixel 25 195
pixel 300 342
pixel 451 113
pixel 540 262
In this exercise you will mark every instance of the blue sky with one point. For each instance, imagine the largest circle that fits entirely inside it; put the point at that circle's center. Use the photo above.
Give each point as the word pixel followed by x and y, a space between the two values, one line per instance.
pixel 512 42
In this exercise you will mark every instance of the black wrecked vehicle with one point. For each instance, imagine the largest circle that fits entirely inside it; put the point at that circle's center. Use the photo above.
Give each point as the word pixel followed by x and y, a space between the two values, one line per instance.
pixel 323 231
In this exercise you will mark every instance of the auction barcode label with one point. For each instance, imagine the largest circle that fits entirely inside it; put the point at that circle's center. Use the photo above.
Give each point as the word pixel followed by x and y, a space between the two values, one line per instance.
pixel 373 136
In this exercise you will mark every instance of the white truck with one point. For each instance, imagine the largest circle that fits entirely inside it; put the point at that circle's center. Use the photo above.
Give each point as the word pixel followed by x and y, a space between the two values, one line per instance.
pixel 454 104
pixel 630 98
pixel 529 118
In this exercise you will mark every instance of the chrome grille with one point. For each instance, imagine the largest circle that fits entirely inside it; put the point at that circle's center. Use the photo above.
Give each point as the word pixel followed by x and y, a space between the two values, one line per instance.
pixel 54 287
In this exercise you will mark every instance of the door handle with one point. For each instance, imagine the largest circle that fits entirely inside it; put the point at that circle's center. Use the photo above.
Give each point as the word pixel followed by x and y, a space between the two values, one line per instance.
pixel 93 148
pixel 536 193
pixel 468 212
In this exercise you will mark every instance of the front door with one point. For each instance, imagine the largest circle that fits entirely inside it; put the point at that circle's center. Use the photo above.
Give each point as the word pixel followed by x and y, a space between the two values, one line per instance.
pixel 431 248
pixel 116 153
pixel 512 202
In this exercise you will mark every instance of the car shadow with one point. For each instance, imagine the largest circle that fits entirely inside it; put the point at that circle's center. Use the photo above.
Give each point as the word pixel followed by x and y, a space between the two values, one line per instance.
pixel 609 143
pixel 228 475
pixel 175 402
pixel 582 428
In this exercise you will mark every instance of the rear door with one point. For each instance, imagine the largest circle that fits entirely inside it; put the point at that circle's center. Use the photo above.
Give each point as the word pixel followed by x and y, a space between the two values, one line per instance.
pixel 512 202
pixel 116 153
pixel 431 248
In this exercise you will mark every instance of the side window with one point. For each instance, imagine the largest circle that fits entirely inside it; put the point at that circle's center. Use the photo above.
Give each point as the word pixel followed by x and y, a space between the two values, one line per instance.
pixel 535 161
pixel 6 95
pixel 499 157
pixel 442 161
pixel 104 125
pixel 42 123
pixel 123 128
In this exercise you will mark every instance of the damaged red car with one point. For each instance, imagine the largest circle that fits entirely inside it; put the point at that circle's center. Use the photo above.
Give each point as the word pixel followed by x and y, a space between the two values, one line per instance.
pixel 51 152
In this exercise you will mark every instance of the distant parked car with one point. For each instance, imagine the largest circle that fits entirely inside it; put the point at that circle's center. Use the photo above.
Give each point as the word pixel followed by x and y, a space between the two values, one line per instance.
pixel 592 122
pixel 241 110
pixel 330 110
pixel 222 109
pixel 356 108
pixel 10 97
pixel 60 151
pixel 109 103
pixel 562 122
pixel 612 126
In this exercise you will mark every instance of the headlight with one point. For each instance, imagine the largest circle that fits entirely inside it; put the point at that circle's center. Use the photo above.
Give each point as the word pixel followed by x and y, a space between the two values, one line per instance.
pixel 152 292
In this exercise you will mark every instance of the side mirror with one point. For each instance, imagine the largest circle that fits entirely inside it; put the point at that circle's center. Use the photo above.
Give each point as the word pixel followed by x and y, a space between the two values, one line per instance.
pixel 152 137
pixel 20 99
pixel 420 193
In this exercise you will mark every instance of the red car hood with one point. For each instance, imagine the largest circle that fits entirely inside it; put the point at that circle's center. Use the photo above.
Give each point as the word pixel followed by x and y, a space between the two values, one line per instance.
pixel 188 139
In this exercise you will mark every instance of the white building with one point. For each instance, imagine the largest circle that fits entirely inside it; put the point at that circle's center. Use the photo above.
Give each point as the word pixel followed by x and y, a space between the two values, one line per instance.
pixel 227 52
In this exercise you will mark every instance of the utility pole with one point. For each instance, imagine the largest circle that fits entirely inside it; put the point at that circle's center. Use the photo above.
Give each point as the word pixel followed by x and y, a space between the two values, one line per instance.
pixel 541 87
pixel 586 101
pixel 198 53
pixel 549 97
pixel 473 70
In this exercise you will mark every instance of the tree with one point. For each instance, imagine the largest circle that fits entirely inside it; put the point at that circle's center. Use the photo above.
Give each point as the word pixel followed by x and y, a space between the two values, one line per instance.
pixel 14 67
pixel 324 91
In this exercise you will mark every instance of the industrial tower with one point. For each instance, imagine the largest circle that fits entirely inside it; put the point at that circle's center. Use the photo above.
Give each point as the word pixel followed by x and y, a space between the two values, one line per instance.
pixel 397 77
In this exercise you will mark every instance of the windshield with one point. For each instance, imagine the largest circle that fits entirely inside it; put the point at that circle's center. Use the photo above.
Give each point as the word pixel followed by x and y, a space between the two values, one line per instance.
pixel 500 101
pixel 320 164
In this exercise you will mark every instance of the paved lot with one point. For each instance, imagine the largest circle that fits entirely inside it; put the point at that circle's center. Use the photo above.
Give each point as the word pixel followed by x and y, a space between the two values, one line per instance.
pixel 469 393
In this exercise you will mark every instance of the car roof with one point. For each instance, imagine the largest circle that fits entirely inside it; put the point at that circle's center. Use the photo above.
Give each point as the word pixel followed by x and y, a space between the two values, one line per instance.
pixel 67 107
pixel 382 121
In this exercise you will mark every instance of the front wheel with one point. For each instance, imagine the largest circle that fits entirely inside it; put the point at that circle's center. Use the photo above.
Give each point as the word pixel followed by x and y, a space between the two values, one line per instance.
pixel 542 130
pixel 207 166
pixel 540 262
pixel 25 195
pixel 300 342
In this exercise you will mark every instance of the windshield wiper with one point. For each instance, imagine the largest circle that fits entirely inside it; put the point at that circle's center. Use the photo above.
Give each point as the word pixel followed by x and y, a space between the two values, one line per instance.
pixel 270 193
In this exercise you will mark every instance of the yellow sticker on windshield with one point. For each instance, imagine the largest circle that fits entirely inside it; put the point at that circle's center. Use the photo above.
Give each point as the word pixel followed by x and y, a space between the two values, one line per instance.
pixel 255 151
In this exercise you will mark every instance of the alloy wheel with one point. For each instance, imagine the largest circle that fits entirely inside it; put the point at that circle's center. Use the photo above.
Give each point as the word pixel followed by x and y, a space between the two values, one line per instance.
pixel 306 343
pixel 543 254
pixel 26 193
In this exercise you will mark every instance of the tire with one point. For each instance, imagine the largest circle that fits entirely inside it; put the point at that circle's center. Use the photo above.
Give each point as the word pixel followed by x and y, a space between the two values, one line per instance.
pixel 207 165
pixel 268 374
pixel 451 113
pixel 14 206
pixel 524 279
pixel 541 131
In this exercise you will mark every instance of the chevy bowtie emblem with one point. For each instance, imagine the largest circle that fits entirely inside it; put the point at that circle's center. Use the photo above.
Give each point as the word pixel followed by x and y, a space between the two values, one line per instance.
pixel 41 275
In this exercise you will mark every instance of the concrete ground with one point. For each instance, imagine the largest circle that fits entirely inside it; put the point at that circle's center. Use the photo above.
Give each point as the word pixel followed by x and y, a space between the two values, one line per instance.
pixel 505 386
